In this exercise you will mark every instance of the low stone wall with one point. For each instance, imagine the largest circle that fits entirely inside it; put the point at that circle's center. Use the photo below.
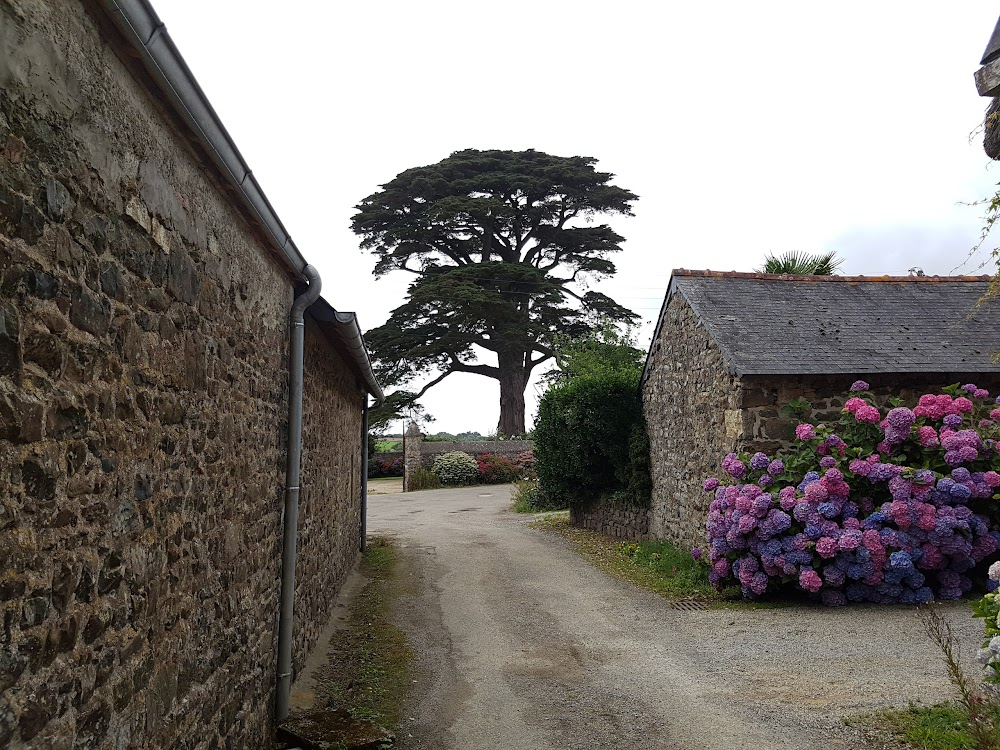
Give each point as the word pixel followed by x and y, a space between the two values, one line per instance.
pixel 421 453
pixel 429 450
pixel 614 519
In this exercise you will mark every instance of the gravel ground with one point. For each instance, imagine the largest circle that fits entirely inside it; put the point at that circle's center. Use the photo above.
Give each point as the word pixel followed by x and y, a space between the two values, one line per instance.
pixel 521 644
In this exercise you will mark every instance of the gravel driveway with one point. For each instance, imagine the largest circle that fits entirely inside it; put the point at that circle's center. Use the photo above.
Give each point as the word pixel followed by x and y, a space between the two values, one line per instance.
pixel 522 645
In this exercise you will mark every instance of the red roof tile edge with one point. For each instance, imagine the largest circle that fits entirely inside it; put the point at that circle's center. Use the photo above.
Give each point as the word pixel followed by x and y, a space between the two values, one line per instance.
pixel 852 279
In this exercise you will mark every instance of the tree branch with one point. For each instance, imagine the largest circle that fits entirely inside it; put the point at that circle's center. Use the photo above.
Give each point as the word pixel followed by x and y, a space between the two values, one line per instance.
pixel 459 366
pixel 532 363
pixel 434 382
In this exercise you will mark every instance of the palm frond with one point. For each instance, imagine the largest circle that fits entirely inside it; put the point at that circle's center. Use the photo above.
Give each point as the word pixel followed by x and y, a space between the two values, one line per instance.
pixel 800 263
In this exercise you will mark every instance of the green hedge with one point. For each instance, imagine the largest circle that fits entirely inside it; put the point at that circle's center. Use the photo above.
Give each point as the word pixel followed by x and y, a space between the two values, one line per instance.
pixel 591 442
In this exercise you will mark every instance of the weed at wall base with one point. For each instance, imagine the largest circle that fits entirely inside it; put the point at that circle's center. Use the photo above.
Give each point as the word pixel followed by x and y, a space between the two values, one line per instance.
pixel 423 479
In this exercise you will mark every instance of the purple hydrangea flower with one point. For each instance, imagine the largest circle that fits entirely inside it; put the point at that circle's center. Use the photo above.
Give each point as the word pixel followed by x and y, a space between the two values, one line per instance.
pixel 860 385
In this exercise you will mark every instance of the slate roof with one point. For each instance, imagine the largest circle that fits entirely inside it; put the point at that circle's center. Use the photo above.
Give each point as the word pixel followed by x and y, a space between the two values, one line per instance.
pixel 768 324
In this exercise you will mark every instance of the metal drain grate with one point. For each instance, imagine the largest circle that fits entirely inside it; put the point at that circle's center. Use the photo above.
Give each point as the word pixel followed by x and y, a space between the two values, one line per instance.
pixel 690 606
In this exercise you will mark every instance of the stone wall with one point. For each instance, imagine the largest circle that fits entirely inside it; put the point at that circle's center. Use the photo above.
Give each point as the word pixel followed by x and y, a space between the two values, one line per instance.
pixel 421 453
pixel 143 331
pixel 691 403
pixel 766 429
pixel 614 519
pixel 431 449
pixel 330 502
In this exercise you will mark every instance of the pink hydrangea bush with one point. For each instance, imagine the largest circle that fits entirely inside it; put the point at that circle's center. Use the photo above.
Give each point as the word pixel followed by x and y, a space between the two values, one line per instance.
pixel 893 507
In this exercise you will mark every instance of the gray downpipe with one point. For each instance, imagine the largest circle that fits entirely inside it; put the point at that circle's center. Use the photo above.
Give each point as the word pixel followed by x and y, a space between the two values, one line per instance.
pixel 364 474
pixel 292 474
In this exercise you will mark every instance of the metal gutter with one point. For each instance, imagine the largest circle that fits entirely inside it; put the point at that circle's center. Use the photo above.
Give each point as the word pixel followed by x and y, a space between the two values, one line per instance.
pixel 293 470
pixel 142 27
pixel 363 530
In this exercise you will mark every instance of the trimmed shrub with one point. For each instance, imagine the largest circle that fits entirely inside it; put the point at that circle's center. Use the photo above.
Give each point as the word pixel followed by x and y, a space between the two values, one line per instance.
pixel 494 469
pixel 456 467
pixel 378 468
pixel 590 440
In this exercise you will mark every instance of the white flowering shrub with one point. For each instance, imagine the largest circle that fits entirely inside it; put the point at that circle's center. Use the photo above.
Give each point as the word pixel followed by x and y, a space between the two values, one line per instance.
pixel 456 467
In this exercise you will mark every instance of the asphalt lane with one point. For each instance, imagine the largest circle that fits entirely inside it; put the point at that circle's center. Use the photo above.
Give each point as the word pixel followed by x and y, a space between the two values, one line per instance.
pixel 520 644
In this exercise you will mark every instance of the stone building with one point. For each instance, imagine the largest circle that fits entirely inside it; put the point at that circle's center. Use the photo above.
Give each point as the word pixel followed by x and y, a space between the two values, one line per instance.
pixel 145 290
pixel 730 349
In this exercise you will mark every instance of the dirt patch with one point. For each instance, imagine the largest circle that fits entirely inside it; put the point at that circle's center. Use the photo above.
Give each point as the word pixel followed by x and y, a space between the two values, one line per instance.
pixel 385 486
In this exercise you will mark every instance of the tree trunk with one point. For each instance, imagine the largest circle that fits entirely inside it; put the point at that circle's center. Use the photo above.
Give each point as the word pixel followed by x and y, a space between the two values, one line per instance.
pixel 512 385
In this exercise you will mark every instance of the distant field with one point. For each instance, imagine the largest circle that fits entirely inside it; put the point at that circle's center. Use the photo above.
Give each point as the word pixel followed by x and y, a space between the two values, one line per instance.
pixel 388 446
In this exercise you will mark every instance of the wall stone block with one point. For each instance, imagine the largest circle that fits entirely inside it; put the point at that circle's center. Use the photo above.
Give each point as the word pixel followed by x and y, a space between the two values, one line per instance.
pixel 619 520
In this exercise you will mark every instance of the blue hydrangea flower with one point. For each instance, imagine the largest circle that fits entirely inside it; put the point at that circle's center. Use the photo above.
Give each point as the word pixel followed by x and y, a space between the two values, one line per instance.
pixel 900 560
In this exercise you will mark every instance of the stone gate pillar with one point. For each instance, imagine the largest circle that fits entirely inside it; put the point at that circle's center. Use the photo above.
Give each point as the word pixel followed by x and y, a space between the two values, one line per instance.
pixel 411 453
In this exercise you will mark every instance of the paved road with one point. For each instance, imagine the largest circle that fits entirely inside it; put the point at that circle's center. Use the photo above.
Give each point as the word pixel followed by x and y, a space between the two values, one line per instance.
pixel 522 645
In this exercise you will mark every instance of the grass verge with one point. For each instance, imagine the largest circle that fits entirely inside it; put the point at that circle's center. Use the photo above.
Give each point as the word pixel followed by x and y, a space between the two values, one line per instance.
pixel 369 671
pixel 525 498
pixel 941 727
pixel 658 565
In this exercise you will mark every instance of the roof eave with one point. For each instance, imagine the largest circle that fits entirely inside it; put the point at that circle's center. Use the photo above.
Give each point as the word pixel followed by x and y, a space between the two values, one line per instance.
pixel 343 328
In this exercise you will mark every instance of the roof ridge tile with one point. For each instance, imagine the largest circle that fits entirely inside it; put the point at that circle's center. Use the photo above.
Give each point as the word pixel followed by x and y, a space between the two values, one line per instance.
pixel 834 278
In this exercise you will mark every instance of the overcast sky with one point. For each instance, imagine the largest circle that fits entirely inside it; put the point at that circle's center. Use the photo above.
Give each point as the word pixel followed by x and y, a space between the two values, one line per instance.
pixel 745 128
